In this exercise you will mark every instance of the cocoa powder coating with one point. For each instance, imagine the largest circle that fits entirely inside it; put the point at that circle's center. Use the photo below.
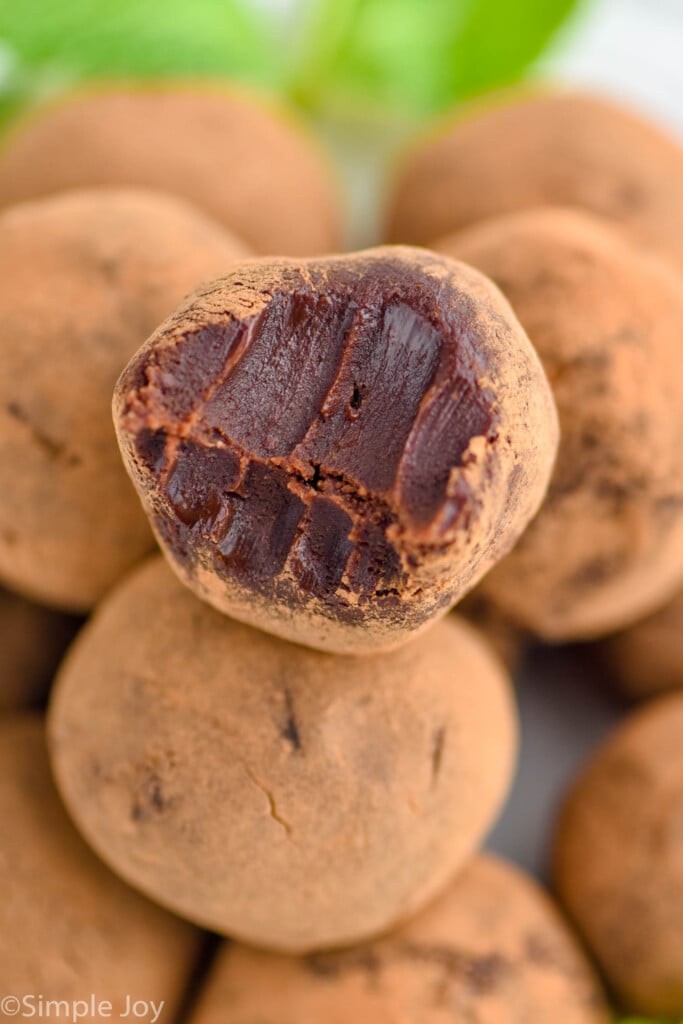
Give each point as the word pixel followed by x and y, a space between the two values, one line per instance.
pixel 544 147
pixel 491 949
pixel 336 450
pixel 32 641
pixel 607 545
pixel 646 660
pixel 86 276
pixel 68 926
pixel 245 162
pixel 618 859
pixel 294 799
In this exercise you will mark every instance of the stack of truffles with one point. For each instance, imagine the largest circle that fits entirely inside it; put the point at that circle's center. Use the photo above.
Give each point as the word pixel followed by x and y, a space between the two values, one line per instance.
pixel 273 729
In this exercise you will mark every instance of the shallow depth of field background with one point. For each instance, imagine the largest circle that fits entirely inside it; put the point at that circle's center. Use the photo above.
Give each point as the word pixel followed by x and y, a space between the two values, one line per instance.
pixel 367 74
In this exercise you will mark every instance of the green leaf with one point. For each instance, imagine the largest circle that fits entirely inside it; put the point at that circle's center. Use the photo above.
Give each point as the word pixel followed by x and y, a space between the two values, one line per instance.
pixel 395 59
pixel 377 54
pixel 412 57
pixel 499 39
pixel 641 1020
pixel 55 43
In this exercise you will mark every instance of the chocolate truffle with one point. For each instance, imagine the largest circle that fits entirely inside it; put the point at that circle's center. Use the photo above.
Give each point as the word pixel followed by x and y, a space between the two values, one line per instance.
pixel 542 148
pixel 336 450
pixel 245 162
pixel 507 639
pixel 607 546
pixel 32 641
pixel 619 858
pixel 68 927
pixel 647 659
pixel 86 276
pixel 293 799
pixel 492 949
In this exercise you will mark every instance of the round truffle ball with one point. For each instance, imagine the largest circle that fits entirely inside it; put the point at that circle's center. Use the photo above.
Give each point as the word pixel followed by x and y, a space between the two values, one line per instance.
pixel 619 858
pixel 607 545
pixel 337 450
pixel 32 641
pixel 647 659
pixel 492 949
pixel 68 927
pixel 86 276
pixel 293 799
pixel 505 637
pixel 542 148
pixel 244 161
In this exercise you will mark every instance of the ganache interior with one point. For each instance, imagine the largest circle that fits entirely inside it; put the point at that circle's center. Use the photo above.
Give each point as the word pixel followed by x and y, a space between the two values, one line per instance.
pixel 306 445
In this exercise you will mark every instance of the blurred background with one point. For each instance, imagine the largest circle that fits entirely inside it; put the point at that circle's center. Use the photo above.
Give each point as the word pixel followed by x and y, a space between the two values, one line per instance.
pixel 369 74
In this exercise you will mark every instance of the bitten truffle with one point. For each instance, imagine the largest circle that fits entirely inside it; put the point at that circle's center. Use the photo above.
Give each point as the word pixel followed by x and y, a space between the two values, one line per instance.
pixel 245 162
pixel 32 641
pixel 619 858
pixel 607 545
pixel 492 949
pixel 68 927
pixel 542 148
pixel 647 659
pixel 86 276
pixel 293 799
pixel 336 450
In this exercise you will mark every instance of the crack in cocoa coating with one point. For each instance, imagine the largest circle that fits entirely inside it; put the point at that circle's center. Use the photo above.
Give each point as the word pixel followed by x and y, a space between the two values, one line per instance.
pixel 272 805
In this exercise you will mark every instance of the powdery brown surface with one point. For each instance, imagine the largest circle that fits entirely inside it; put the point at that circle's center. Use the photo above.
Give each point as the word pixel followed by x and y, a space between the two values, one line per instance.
pixel 552 147
pixel 86 277
pixel 647 659
pixel 32 640
pixel 337 450
pixel 244 161
pixel 607 545
pixel 68 927
pixel 294 799
pixel 619 858
pixel 492 949
pixel 505 637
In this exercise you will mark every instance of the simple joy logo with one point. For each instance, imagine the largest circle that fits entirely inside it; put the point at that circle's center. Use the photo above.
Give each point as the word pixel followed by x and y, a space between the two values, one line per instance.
pixel 39 1007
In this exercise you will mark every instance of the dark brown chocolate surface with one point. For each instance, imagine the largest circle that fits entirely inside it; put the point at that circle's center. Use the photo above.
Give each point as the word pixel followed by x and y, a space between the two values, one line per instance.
pixel 305 449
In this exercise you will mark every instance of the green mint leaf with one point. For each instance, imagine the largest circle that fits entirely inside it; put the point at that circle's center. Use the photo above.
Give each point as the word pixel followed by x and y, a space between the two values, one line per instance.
pixel 411 57
pixel 54 44
pixel 377 55
pixel 641 1020
pixel 499 40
